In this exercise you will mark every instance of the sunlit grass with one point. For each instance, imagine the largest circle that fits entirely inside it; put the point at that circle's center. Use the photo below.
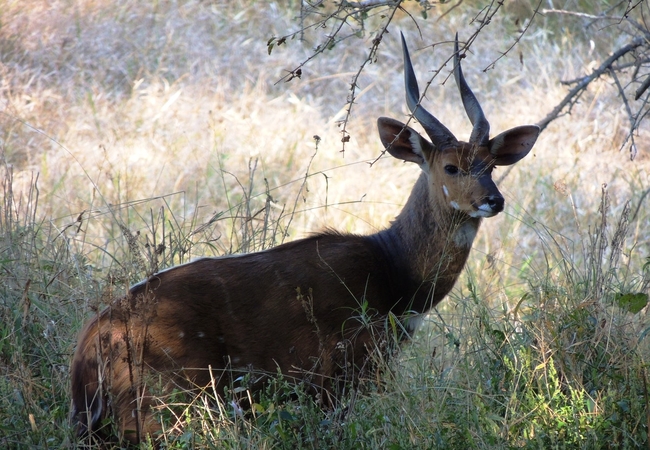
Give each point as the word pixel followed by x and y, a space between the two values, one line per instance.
pixel 136 136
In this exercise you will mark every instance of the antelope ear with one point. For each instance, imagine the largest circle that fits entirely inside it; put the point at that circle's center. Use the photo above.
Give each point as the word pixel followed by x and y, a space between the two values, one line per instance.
pixel 409 145
pixel 512 145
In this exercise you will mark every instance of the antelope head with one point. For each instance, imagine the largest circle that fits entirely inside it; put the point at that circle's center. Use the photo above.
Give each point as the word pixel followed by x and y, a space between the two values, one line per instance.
pixel 459 173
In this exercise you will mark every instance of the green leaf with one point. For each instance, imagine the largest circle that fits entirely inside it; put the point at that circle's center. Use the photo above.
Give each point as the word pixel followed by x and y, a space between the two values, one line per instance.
pixel 632 302
pixel 498 336
pixel 624 405
pixel 286 415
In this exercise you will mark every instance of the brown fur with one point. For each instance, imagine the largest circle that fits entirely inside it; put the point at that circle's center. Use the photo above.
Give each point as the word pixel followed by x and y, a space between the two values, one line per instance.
pixel 296 307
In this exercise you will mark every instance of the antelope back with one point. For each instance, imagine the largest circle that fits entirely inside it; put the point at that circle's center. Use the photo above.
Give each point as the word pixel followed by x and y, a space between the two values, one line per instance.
pixel 297 307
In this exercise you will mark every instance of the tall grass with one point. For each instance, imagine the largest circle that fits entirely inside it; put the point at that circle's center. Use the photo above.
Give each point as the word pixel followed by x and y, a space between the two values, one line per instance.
pixel 139 135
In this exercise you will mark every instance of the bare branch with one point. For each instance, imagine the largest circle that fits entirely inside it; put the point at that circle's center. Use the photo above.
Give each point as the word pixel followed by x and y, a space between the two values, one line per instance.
pixel 579 14
pixel 370 3
pixel 644 86
pixel 581 84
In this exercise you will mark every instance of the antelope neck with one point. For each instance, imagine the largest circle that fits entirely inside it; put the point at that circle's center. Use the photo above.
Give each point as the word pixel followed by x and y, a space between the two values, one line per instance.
pixel 426 247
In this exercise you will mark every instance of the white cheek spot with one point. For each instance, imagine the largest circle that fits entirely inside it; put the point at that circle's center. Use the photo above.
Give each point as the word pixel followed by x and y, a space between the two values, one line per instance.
pixel 455 205
pixel 181 334
pixel 236 360
pixel 465 234
pixel 200 334
pixel 445 190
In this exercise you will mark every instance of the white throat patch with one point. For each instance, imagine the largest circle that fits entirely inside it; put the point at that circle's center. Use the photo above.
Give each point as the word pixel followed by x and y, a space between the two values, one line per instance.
pixel 465 234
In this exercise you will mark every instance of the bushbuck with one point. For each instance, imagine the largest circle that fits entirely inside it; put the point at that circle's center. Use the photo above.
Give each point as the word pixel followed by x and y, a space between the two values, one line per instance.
pixel 315 309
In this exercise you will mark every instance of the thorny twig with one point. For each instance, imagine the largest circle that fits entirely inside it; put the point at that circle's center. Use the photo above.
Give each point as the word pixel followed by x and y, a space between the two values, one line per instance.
pixel 516 41
pixel 353 84
pixel 637 49
pixel 342 15
pixel 345 11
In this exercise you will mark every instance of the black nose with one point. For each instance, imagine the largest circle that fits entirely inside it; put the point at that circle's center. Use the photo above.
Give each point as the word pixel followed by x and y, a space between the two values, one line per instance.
pixel 495 202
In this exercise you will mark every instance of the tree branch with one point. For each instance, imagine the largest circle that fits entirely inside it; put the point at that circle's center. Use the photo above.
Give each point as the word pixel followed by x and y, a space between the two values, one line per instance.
pixel 582 83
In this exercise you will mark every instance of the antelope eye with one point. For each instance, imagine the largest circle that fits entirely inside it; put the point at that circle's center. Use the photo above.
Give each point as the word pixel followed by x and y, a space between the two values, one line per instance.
pixel 451 170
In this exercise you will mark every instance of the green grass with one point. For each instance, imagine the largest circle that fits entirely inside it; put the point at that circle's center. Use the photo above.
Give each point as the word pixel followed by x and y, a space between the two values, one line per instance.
pixel 137 135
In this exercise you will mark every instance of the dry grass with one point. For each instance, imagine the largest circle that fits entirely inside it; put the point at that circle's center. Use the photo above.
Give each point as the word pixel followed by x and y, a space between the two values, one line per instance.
pixel 163 120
